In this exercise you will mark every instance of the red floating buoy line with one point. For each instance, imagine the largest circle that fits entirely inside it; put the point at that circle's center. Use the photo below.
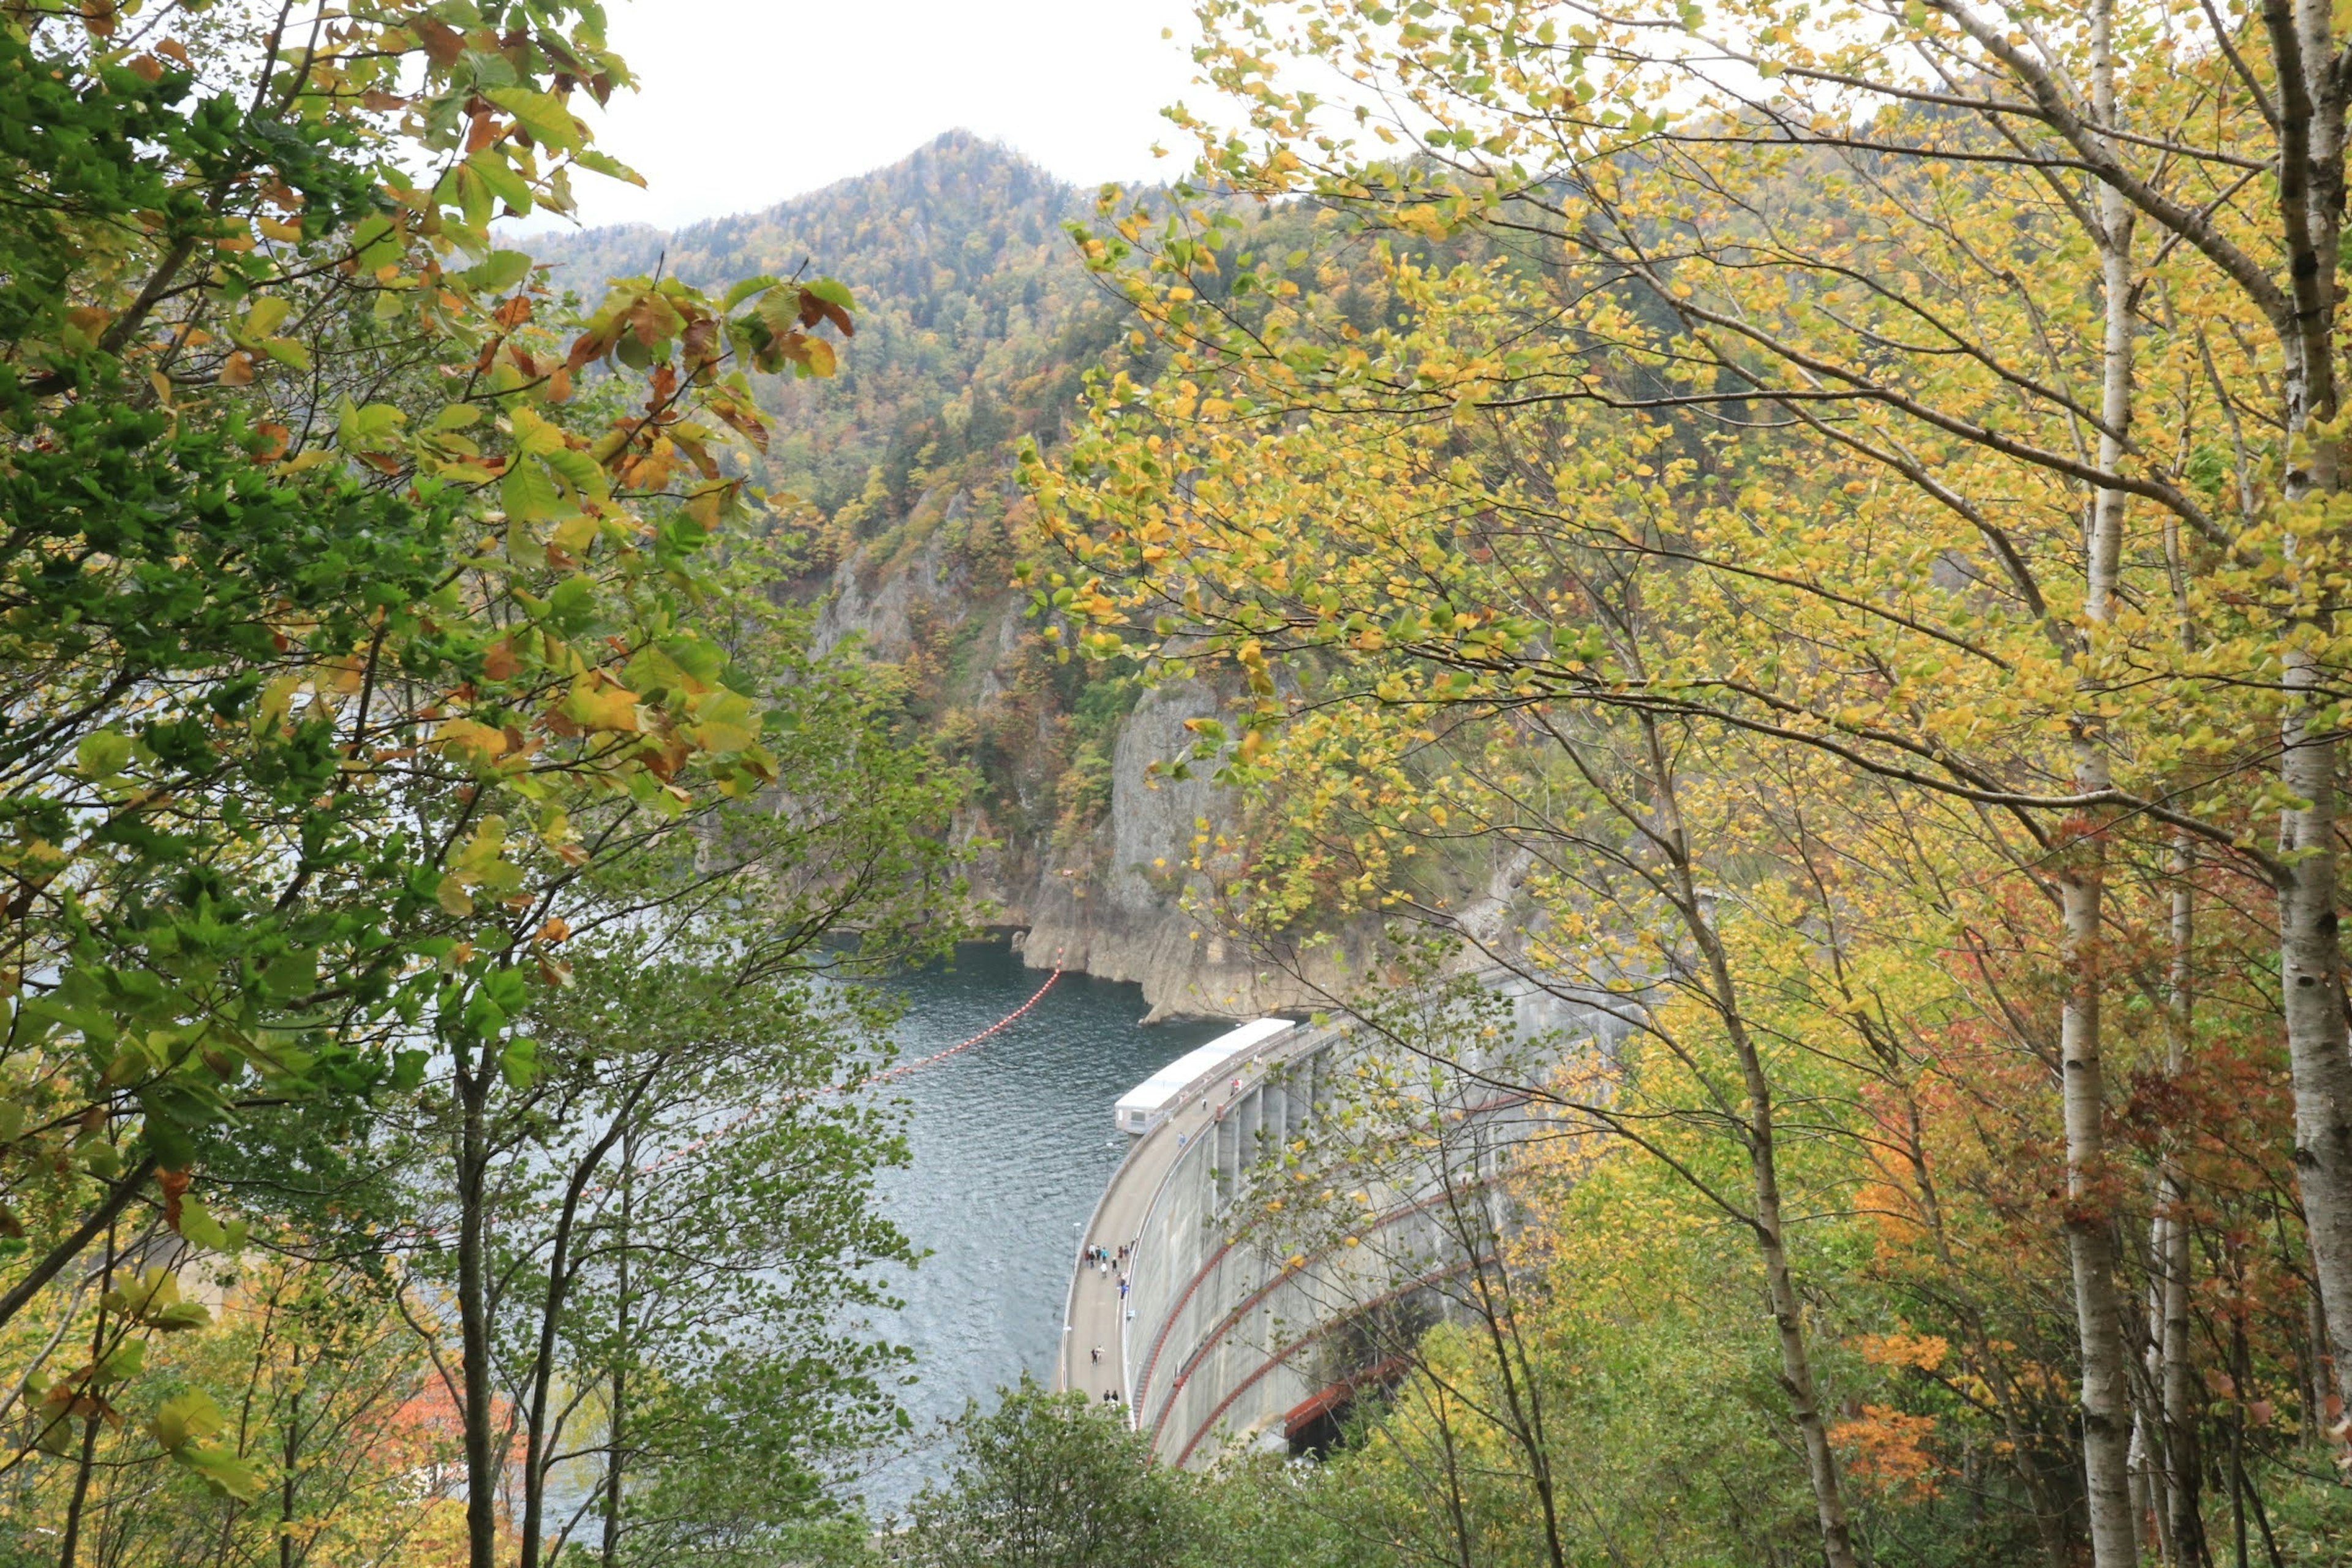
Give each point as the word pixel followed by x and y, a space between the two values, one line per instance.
pixel 1005 1022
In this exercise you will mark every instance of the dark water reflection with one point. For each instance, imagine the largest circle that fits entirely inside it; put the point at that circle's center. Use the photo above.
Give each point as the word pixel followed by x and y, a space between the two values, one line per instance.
pixel 1012 1143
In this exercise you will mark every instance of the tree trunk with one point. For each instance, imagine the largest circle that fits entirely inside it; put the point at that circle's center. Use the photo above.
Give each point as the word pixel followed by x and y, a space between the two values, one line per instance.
pixel 1521 1414
pixel 1788 1312
pixel 118 1198
pixel 485 1474
pixel 2310 185
pixel 289 1483
pixel 1763 1158
pixel 2312 976
pixel 87 1462
pixel 615 1457
pixel 562 1268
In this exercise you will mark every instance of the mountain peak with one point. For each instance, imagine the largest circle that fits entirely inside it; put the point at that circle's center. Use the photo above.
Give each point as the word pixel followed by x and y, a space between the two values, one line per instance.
pixel 965 281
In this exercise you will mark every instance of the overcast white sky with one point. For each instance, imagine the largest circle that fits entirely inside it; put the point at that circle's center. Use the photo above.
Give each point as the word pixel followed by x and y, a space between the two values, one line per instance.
pixel 745 102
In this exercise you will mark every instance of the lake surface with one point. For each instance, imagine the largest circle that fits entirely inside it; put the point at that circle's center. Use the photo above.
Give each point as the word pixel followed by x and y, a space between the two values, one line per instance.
pixel 1011 1142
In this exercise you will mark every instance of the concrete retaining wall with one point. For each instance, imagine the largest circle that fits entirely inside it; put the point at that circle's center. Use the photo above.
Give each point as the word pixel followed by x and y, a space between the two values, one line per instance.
pixel 1226 1333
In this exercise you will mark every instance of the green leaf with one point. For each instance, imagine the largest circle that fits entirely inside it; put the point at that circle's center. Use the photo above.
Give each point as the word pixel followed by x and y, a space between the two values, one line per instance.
pixel 102 753
pixel 182 1420
pixel 292 974
pixel 372 428
pixel 541 114
pixel 519 1063
pixel 199 1226
pixel 726 721
pixel 489 166
pixel 592 705
pixel 123 1362
pixel 832 291
pixel 375 243
pixel 536 434
pixel 451 895
pixel 498 272
pixel 604 163
pixel 223 1471
pixel 182 1316
pixel 744 289
pixel 581 472
pixel 529 493
pixel 483 849
pixel 464 188
pixel 291 352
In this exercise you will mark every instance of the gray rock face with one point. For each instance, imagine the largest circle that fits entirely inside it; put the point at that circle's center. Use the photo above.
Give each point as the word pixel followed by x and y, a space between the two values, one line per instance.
pixel 877 607
pixel 1123 904
pixel 1129 919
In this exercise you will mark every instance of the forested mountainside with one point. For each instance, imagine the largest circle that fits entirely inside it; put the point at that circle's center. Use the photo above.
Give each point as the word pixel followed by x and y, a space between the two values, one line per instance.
pixel 976 323
pixel 974 320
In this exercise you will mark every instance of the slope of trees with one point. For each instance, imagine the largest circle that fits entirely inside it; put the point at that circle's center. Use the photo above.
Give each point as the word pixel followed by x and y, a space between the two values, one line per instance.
pixel 979 319
pixel 388 666
pixel 1841 508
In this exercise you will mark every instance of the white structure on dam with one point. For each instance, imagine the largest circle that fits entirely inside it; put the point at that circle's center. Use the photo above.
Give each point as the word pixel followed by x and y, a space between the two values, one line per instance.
pixel 1190 1076
pixel 1232 1329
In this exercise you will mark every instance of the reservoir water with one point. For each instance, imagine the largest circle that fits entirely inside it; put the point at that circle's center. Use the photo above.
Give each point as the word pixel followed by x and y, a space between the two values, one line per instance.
pixel 1011 1145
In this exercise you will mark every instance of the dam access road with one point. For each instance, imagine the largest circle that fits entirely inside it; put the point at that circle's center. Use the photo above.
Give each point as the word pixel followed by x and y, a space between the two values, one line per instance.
pixel 1095 1316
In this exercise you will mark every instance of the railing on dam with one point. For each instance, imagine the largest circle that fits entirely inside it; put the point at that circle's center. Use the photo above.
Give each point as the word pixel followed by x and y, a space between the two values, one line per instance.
pixel 1232 1326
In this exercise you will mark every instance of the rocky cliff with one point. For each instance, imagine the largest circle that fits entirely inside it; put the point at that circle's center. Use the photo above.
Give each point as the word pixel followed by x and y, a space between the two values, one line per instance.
pixel 1085 845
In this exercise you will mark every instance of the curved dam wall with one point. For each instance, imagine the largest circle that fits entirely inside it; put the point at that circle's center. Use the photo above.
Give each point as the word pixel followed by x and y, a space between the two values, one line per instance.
pixel 1233 1329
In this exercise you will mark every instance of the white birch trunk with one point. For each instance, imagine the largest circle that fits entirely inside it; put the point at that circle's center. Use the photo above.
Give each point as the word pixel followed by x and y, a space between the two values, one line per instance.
pixel 2090 1223
pixel 2184 1525
pixel 2311 958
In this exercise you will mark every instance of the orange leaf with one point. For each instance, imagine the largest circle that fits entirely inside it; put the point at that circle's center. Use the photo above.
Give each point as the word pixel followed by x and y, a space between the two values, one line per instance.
pixel 442 43
pixel 175 1185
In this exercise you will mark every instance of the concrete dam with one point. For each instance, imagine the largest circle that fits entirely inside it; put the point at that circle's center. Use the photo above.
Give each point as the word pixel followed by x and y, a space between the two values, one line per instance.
pixel 1211 1325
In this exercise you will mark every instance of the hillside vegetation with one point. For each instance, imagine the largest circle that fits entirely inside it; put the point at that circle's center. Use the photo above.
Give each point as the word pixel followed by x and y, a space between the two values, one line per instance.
pixel 976 318
pixel 1818 542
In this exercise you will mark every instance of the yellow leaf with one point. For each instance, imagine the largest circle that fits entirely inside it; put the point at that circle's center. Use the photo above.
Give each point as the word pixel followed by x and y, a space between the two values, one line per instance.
pixel 575 534
pixel 594 704
pixel 451 896
pixel 265 316
pixel 478 742
pixel 726 721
